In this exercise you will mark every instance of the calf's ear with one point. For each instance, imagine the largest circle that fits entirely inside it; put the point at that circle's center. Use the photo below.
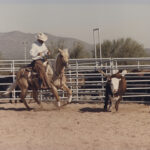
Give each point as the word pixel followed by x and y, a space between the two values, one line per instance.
pixel 60 50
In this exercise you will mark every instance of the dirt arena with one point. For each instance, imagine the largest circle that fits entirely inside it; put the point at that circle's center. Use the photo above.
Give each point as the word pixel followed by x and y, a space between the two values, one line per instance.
pixel 74 127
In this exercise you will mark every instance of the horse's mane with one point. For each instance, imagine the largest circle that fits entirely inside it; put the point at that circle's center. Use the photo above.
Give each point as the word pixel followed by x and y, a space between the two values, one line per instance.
pixel 58 61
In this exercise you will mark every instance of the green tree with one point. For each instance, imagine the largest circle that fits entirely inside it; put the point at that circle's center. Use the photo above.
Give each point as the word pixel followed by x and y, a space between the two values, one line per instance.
pixel 121 48
pixel 1 56
pixel 53 48
pixel 79 51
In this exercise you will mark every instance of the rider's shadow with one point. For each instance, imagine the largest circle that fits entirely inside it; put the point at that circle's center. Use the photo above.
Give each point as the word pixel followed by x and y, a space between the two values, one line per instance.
pixel 89 109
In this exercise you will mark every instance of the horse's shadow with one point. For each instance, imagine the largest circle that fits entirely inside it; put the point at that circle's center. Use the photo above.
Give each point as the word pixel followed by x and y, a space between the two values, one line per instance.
pixel 94 110
pixel 13 109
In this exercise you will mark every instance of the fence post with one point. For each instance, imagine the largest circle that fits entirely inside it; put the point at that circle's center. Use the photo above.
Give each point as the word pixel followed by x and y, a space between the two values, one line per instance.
pixel 77 76
pixel 111 66
pixel 138 64
pixel 13 69
pixel 116 65
pixel 70 78
pixel 102 76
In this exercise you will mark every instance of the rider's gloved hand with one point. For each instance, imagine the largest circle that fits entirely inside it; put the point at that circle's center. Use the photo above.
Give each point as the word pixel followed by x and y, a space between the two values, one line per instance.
pixel 39 54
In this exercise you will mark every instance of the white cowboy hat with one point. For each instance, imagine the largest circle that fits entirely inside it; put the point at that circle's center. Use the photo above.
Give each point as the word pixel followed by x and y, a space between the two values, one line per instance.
pixel 42 37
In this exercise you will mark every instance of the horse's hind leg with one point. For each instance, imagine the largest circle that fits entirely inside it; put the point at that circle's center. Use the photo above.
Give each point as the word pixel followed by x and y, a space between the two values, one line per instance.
pixel 69 92
pixel 23 95
pixel 35 96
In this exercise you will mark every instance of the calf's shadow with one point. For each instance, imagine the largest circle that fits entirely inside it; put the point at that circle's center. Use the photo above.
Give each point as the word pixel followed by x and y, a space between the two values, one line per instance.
pixel 89 109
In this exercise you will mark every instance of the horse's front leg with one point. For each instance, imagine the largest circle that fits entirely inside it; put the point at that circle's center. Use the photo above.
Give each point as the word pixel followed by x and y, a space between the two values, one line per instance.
pixel 69 92
pixel 55 92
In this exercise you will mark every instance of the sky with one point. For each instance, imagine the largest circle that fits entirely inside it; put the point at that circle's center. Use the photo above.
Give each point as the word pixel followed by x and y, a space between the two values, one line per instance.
pixel 77 18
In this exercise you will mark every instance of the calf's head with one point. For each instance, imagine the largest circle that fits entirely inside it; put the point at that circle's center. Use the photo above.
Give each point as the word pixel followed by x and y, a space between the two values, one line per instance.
pixel 114 85
pixel 118 83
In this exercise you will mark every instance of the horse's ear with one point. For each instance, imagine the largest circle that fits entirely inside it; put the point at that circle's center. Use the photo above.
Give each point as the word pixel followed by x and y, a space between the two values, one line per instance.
pixel 60 50
pixel 66 50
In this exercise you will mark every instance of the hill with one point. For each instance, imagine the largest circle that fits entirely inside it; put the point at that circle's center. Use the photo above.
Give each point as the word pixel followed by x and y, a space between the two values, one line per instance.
pixel 14 44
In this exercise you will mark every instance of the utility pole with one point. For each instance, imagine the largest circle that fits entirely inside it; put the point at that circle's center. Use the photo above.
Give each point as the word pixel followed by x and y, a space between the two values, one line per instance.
pixel 25 50
pixel 97 30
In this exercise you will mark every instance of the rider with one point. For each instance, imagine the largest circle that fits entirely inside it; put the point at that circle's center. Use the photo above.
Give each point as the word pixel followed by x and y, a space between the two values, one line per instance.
pixel 38 51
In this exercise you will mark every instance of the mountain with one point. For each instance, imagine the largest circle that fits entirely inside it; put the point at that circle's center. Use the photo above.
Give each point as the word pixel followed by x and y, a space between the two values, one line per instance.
pixel 14 45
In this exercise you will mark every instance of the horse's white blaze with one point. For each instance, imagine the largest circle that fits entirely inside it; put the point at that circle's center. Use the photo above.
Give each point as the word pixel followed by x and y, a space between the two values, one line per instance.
pixel 115 84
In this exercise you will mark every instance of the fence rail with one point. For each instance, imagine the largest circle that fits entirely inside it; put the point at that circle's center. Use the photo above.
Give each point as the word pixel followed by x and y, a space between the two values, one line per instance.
pixel 86 82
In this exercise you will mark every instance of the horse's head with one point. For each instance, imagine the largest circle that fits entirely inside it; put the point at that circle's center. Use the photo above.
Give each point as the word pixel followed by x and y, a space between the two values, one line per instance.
pixel 64 56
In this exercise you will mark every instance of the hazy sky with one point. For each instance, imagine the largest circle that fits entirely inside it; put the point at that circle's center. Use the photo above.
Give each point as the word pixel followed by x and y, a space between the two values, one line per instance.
pixel 77 18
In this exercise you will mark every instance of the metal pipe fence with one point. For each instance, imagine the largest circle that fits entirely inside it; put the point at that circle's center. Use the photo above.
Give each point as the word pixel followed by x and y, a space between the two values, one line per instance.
pixel 84 79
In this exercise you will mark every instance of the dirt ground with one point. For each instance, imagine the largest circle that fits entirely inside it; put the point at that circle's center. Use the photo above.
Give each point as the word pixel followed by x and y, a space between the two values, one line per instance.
pixel 74 127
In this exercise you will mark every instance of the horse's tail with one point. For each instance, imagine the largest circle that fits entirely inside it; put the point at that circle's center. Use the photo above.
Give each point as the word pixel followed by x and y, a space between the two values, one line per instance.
pixel 11 88
pixel 20 74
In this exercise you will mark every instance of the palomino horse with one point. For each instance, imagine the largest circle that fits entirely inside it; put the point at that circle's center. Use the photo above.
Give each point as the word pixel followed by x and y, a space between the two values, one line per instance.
pixel 26 79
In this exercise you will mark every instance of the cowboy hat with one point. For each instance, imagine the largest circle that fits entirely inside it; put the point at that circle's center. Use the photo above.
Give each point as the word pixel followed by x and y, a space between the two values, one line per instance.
pixel 42 37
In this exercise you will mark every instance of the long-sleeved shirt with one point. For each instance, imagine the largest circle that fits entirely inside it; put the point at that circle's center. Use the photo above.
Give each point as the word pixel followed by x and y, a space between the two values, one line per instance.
pixel 37 48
